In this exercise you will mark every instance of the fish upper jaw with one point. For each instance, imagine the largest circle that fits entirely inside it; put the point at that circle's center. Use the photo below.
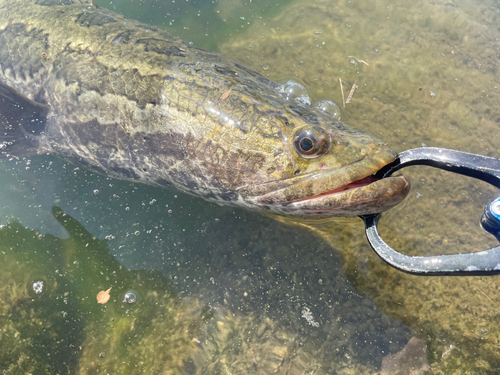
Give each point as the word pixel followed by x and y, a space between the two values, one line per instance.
pixel 346 191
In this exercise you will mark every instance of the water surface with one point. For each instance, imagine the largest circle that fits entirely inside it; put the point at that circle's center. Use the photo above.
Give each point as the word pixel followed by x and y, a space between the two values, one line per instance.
pixel 296 299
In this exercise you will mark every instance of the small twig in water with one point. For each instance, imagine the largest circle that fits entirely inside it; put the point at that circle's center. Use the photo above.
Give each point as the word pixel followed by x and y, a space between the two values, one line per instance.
pixel 349 97
pixel 358 60
pixel 342 91
pixel 484 294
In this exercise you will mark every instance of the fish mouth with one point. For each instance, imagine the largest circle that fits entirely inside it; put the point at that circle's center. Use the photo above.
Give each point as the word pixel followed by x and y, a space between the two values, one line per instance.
pixel 350 190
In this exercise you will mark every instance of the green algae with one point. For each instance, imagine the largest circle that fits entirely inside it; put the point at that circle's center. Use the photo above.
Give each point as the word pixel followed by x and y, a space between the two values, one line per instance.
pixel 60 328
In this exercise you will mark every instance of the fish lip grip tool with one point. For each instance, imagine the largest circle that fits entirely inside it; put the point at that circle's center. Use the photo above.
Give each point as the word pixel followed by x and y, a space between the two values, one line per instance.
pixel 486 262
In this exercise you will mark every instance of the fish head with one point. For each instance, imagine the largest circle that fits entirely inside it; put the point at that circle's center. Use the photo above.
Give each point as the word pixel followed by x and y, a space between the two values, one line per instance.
pixel 322 168
pixel 256 148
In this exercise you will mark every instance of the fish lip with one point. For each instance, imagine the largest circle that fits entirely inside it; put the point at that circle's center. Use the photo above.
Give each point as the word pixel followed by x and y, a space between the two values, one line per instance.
pixel 372 198
pixel 310 195
pixel 376 197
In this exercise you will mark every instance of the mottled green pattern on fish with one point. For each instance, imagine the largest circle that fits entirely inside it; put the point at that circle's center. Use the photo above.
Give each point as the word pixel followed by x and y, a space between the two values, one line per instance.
pixel 131 101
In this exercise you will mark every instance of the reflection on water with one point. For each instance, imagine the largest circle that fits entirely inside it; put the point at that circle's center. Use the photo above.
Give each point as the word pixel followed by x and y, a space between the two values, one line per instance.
pixel 276 296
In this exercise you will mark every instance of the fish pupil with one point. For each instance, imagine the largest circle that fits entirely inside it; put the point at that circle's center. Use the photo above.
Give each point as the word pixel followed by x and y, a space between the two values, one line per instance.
pixel 306 144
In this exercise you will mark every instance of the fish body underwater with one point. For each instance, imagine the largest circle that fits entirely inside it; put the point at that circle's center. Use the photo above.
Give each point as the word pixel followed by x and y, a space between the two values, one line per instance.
pixel 133 102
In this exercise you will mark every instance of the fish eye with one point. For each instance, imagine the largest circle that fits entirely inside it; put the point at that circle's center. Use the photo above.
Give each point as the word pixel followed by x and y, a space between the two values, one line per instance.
pixel 310 143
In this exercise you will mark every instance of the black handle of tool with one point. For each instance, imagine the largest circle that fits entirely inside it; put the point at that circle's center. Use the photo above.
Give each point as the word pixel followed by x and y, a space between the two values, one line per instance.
pixel 483 168
pixel 485 262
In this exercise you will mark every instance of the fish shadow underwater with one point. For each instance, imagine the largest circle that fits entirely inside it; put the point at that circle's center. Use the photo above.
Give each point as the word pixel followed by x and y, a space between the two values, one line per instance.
pixel 51 321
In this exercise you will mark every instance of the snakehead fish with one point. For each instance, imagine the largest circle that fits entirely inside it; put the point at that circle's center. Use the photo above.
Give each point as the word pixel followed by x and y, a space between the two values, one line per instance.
pixel 131 101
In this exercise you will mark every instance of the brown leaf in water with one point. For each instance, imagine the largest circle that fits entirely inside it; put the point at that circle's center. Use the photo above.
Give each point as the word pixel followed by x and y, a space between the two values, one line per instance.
pixel 103 296
pixel 225 95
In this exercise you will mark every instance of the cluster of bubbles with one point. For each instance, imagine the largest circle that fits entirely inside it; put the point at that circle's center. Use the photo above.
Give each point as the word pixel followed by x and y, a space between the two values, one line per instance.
pixel 38 286
pixel 294 91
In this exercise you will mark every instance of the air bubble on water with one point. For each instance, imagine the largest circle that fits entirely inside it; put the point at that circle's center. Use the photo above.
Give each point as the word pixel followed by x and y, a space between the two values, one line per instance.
pixel 292 90
pixel 330 108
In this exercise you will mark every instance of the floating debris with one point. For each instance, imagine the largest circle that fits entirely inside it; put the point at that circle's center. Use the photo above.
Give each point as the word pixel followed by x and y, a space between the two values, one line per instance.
pixel 308 316
pixel 358 60
pixel 349 97
pixel 103 296
pixel 447 350
pixel 225 95
pixel 342 91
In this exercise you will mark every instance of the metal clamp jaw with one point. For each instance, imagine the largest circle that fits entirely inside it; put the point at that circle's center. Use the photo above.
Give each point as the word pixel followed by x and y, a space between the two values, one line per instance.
pixel 485 262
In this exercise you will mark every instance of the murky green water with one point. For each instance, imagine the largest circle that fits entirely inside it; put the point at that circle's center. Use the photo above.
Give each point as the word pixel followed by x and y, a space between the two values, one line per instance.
pixel 240 293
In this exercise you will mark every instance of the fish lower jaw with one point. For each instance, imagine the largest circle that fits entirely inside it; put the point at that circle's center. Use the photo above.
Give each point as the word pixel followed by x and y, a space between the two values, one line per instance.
pixel 362 197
